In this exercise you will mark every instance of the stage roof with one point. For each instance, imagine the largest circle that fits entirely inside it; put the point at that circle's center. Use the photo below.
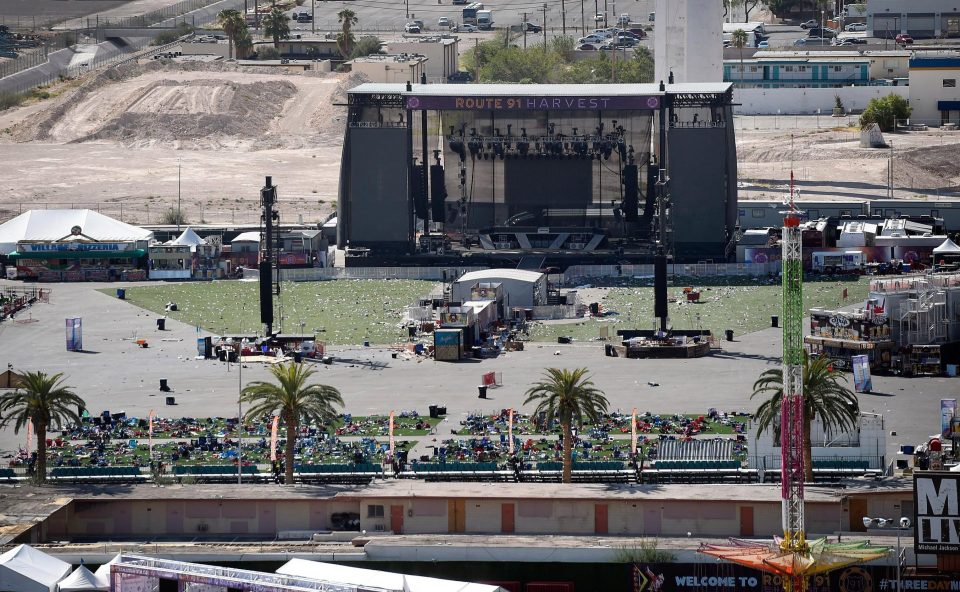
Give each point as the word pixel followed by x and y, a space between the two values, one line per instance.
pixel 536 90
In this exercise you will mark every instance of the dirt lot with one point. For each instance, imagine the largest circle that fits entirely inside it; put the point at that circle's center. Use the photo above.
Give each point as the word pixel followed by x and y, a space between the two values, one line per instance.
pixel 119 141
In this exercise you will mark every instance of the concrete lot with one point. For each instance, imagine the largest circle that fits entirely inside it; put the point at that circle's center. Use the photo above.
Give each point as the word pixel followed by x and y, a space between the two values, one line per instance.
pixel 113 373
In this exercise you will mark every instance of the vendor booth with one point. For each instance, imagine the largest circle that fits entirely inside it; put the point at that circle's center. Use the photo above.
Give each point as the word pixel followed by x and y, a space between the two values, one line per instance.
pixel 74 245
pixel 25 569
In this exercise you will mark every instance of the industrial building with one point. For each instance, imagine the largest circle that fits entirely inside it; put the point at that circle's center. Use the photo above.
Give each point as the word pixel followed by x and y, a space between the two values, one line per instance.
pixel 389 69
pixel 921 19
pixel 520 288
pixel 563 172
pixel 934 95
pixel 442 53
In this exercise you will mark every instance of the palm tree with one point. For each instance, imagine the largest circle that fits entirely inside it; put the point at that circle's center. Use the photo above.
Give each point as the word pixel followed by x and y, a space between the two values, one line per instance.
pixel 347 18
pixel 739 40
pixel 244 43
pixel 294 400
pixel 45 400
pixel 231 21
pixel 823 397
pixel 570 396
pixel 276 25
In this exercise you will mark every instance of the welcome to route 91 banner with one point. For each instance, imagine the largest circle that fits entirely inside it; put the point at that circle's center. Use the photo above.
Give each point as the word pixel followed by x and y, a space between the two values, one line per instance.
pixel 532 103
pixel 727 577
pixel 937 519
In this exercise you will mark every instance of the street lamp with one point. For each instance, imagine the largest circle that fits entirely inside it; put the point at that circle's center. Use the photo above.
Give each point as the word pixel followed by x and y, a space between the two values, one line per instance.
pixel 823 13
pixel 904 524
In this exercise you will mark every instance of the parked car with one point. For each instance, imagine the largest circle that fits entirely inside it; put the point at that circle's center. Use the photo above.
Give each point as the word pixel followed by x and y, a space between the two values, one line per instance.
pixel 809 24
pixel 856 27
pixel 411 28
pixel 460 77
pixel 443 21
pixel 465 28
pixel 812 41
pixel 624 41
pixel 640 33
pixel 903 39
pixel 850 41
pixel 598 17
pixel 623 19
pixel 821 32
pixel 530 28
pixel 588 46
pixel 763 44
pixel 592 38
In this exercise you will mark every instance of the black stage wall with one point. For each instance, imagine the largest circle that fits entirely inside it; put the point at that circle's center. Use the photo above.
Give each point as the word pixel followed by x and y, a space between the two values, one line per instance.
pixel 542 184
pixel 379 205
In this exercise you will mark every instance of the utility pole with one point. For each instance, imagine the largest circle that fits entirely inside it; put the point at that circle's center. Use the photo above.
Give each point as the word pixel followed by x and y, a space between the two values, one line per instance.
pixel 407 4
pixel 563 16
pixel 524 25
pixel 476 59
pixel 596 11
pixel 583 23
pixel 605 24
pixel 178 194
pixel 313 17
pixel 544 26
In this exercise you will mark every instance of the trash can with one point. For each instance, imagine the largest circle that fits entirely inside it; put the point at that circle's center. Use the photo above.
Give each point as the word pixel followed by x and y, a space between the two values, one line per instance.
pixel 163 385
pixel 774 321
pixel 232 356
pixel 433 411
pixel 222 355
pixel 483 391
pixel 441 410
pixel 366 344
pixel 297 357
pixel 122 293
pixel 393 355
pixel 729 334
pixel 171 401
pixel 161 324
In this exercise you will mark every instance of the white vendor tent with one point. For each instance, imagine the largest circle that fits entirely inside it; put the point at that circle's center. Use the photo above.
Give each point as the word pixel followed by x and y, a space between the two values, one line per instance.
pixel 57 225
pixel 947 247
pixel 25 569
pixel 83 580
pixel 188 238
pixel 103 572
pixel 370 578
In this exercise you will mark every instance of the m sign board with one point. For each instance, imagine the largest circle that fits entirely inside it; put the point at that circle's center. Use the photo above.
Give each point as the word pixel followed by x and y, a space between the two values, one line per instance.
pixel 937 524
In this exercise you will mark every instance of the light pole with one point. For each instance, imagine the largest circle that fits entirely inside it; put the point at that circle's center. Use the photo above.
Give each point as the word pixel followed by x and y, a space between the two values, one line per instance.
pixel 240 416
pixel 904 524
pixel 823 13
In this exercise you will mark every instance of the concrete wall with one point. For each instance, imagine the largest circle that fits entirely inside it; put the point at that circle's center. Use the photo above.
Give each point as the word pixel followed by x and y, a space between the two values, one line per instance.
pixel 389 71
pixel 217 49
pixel 791 101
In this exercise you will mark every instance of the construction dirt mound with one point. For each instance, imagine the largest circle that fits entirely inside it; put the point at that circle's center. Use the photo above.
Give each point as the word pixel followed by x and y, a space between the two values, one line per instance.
pixel 195 106
pixel 202 112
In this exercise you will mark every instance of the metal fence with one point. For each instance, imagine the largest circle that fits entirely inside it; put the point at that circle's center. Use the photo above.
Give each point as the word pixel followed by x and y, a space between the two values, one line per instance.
pixel 373 273
pixel 23 61
pixel 581 273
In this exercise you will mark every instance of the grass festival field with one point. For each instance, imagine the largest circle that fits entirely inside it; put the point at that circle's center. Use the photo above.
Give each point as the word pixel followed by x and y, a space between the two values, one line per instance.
pixel 349 312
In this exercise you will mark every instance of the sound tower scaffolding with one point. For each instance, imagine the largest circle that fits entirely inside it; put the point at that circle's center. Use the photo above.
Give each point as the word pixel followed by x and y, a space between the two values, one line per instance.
pixel 663 230
pixel 269 239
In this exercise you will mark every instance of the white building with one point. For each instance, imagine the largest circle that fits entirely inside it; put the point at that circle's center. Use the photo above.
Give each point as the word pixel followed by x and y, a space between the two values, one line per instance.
pixel 865 446
pixel 922 19
pixel 934 95
pixel 390 68
pixel 520 288
pixel 442 54
pixel 688 41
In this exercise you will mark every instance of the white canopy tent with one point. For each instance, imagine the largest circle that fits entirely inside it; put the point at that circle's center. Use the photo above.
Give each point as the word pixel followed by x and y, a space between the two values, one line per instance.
pixel 56 225
pixel 947 247
pixel 371 578
pixel 83 580
pixel 25 569
pixel 188 238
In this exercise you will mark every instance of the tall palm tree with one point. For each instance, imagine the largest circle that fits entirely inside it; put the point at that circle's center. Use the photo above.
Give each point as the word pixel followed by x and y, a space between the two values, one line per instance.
pixel 345 41
pixel 570 396
pixel 276 25
pixel 232 21
pixel 823 397
pixel 294 400
pixel 739 39
pixel 45 400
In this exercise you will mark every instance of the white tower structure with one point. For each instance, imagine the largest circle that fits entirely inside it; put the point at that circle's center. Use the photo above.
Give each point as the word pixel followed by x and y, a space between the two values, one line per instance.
pixel 688 40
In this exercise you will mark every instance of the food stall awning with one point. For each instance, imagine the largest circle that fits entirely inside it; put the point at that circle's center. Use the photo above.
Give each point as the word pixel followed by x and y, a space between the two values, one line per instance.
pixel 130 254
pixel 853 344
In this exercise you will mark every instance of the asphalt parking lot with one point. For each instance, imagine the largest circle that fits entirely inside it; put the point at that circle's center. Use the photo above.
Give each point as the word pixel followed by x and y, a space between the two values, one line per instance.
pixel 113 373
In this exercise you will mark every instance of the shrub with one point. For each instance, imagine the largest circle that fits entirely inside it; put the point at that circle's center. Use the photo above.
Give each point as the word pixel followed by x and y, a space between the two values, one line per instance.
pixel 172 216
pixel 885 111
pixel 268 53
